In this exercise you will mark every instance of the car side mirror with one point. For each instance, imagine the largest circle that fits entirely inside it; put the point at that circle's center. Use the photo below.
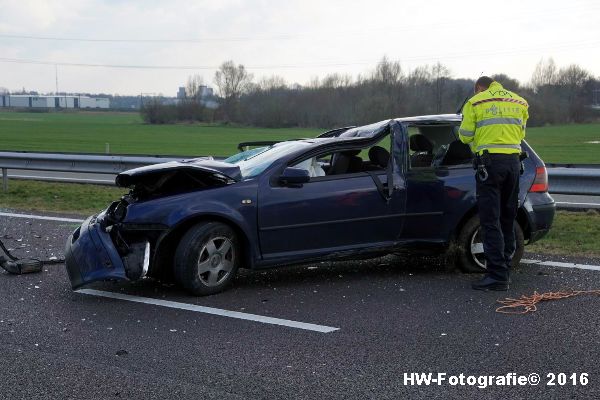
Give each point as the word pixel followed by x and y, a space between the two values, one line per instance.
pixel 294 177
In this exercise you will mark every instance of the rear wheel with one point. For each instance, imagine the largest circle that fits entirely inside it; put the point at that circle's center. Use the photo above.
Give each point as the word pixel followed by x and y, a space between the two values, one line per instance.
pixel 207 258
pixel 469 253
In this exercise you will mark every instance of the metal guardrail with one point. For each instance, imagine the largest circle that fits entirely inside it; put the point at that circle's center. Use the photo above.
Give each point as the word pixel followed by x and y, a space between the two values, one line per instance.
pixel 98 164
pixel 584 166
pixel 583 179
pixel 83 163
pixel 575 181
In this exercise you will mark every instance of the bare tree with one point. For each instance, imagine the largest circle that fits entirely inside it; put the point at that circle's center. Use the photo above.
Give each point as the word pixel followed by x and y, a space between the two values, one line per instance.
pixel 192 87
pixel 441 74
pixel 507 82
pixel 336 81
pixel 419 75
pixel 384 92
pixel 573 76
pixel 544 74
pixel 232 81
pixel 388 72
pixel 314 83
pixel 271 83
pixel 573 80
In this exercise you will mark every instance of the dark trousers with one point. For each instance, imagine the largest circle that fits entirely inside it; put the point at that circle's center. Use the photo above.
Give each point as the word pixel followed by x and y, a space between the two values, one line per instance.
pixel 497 199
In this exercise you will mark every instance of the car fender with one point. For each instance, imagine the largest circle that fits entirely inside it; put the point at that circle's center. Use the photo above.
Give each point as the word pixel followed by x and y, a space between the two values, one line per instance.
pixel 233 204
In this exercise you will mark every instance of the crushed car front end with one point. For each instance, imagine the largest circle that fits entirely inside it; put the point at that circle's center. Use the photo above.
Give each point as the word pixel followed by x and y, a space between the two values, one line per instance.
pixel 89 252
pixel 120 242
pixel 103 248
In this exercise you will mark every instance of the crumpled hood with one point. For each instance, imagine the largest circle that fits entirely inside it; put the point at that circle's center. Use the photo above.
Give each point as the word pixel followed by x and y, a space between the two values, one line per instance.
pixel 200 166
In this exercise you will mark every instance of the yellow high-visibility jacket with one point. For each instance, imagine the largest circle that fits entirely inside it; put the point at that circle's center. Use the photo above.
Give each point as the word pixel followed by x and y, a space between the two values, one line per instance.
pixel 494 120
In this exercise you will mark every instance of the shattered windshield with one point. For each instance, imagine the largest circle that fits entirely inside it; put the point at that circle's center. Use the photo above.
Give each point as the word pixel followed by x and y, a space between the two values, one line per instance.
pixel 253 162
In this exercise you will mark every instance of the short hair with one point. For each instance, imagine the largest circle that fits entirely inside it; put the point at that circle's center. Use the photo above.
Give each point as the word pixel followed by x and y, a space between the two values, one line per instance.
pixel 484 82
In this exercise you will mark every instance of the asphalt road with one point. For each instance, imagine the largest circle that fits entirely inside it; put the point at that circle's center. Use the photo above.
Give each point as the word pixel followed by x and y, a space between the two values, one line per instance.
pixel 395 316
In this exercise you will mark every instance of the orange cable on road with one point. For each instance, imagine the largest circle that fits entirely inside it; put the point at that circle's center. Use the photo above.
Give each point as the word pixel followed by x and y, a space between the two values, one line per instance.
pixel 526 304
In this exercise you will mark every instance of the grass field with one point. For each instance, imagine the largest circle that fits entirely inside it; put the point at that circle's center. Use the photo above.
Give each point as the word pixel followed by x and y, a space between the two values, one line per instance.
pixel 71 198
pixel 88 132
pixel 572 233
pixel 566 143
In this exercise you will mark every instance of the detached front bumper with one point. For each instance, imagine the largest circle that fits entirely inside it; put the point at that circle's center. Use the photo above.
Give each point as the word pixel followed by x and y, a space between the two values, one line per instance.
pixel 91 256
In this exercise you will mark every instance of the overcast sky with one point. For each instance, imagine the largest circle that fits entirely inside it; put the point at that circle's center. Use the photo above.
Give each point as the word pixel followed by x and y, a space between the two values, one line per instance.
pixel 298 40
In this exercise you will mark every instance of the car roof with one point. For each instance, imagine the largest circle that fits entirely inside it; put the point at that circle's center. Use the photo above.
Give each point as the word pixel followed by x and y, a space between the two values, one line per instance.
pixel 432 119
pixel 376 128
pixel 363 132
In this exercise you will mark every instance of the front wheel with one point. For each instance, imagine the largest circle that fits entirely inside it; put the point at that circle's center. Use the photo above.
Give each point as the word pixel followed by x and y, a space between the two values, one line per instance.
pixel 469 256
pixel 207 258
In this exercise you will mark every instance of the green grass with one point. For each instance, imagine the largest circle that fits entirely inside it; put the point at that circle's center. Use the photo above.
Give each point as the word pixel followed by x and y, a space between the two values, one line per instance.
pixel 88 132
pixel 69 198
pixel 572 233
pixel 566 143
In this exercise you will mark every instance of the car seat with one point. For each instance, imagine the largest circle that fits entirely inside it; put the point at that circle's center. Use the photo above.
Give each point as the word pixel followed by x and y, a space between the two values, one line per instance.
pixel 346 162
pixel 379 156
pixel 457 153
pixel 423 151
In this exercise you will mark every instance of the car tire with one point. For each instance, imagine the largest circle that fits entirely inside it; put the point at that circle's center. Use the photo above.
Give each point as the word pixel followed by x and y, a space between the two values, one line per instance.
pixel 207 258
pixel 469 255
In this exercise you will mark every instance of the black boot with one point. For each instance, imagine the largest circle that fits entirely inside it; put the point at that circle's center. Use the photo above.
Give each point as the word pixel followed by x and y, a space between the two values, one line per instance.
pixel 489 283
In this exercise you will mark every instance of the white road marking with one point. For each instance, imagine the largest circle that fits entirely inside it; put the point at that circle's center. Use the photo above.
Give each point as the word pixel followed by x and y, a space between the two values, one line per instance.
pixel 42 217
pixel 577 204
pixel 530 261
pixel 562 264
pixel 571 265
pixel 211 310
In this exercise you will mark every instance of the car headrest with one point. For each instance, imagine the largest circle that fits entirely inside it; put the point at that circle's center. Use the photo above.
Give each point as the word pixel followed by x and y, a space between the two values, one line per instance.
pixel 339 164
pixel 459 151
pixel 355 164
pixel 379 156
pixel 420 142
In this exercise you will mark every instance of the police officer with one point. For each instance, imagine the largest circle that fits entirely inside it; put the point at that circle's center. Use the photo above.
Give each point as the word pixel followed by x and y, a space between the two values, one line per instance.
pixel 494 125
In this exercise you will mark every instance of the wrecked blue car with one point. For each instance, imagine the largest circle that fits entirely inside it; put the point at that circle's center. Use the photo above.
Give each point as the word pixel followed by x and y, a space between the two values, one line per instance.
pixel 399 185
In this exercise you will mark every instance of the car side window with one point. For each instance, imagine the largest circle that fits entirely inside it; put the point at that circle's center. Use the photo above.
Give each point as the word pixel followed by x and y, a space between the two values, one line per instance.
pixel 346 162
pixel 435 146
pixel 313 166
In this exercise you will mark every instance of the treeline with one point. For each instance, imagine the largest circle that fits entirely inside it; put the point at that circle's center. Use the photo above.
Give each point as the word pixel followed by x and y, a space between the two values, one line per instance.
pixel 555 95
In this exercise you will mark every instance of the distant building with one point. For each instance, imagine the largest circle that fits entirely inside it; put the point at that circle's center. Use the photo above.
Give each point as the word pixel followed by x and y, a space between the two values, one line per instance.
pixel 596 99
pixel 205 93
pixel 63 101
